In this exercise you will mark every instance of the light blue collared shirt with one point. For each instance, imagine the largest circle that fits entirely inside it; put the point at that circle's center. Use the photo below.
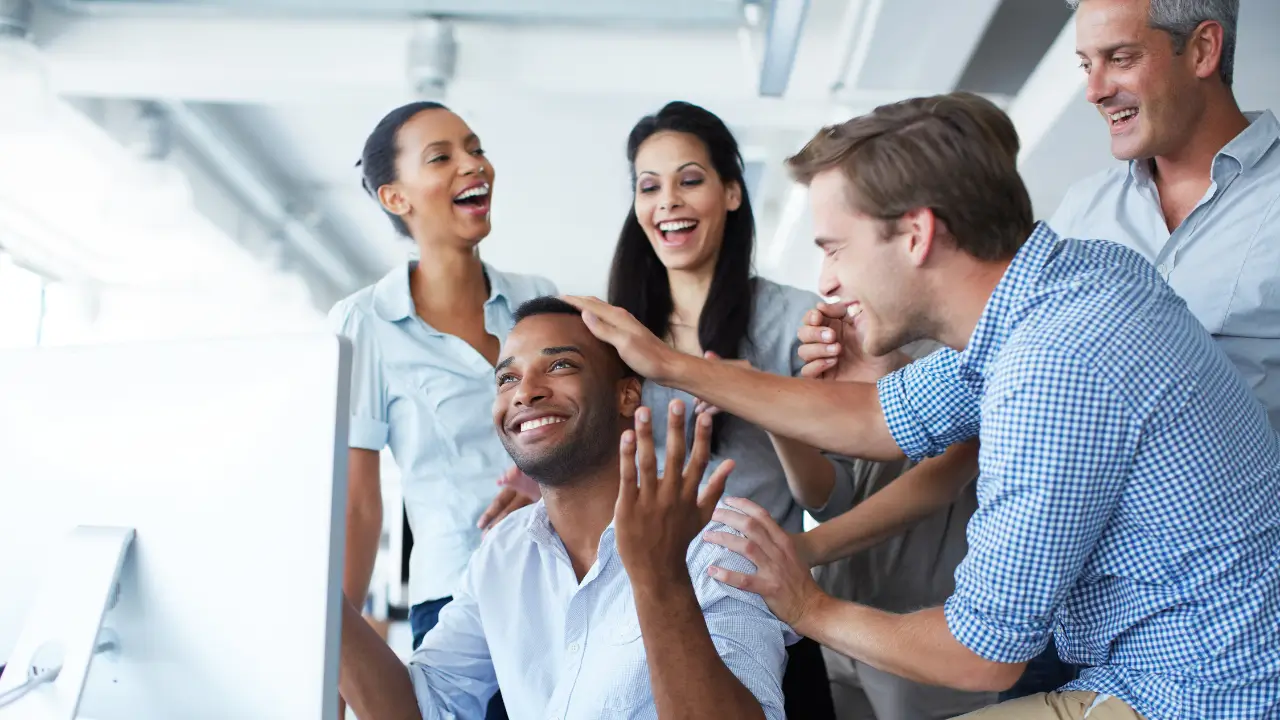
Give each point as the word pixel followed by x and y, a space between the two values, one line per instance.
pixel 1224 259
pixel 429 395
pixel 569 650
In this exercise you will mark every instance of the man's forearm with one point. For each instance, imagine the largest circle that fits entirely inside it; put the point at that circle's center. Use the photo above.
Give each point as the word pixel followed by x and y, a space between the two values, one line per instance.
pixel 901 505
pixel 918 646
pixel 842 417
pixel 688 678
pixel 372 680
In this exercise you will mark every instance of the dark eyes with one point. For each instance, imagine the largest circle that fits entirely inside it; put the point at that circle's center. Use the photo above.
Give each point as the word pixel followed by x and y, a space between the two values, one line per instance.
pixel 478 152
pixel 687 182
pixel 560 364
pixel 1117 60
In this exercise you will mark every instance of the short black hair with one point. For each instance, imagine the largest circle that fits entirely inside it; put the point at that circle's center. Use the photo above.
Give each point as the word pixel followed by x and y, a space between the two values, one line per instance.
pixel 552 305
pixel 543 305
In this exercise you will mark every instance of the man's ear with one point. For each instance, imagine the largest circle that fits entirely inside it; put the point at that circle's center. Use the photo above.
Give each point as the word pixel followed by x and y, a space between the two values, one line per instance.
pixel 923 226
pixel 629 396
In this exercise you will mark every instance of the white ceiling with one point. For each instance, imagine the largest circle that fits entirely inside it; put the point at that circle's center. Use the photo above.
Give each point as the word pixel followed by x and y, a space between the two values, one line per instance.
pixel 553 95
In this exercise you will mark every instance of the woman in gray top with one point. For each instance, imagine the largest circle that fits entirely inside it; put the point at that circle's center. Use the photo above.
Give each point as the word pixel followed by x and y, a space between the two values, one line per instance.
pixel 683 268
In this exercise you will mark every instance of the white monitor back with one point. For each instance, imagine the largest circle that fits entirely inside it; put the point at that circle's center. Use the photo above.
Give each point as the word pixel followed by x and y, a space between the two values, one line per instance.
pixel 228 458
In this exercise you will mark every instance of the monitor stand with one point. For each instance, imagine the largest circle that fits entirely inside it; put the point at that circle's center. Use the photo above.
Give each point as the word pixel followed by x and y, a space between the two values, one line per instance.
pixel 64 623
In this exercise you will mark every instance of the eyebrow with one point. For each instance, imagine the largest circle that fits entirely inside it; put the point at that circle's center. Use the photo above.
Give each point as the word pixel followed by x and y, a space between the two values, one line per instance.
pixel 446 143
pixel 550 351
pixel 694 163
pixel 1110 49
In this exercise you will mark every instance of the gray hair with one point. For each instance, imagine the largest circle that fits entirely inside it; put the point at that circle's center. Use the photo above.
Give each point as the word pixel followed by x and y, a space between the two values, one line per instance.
pixel 1180 18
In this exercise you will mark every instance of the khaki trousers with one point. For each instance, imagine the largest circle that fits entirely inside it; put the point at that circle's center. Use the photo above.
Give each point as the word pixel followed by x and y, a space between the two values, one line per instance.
pixel 1074 705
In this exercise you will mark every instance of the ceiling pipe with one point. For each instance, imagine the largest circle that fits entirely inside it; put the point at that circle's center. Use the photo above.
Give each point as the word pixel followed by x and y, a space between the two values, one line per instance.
pixel 781 42
pixel 433 56
pixel 856 31
pixel 229 163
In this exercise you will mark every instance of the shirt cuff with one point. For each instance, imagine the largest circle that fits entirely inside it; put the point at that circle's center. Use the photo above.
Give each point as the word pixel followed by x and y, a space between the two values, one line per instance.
pixel 994 640
pixel 903 424
pixel 366 434
pixel 840 501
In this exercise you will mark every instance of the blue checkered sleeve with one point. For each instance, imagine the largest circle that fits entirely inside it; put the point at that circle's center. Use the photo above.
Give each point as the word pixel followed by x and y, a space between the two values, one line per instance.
pixel 1057 444
pixel 928 406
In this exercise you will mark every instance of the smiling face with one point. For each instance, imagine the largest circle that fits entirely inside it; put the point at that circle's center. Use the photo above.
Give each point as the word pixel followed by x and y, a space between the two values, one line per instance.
pixel 1148 95
pixel 680 200
pixel 562 397
pixel 875 274
pixel 443 179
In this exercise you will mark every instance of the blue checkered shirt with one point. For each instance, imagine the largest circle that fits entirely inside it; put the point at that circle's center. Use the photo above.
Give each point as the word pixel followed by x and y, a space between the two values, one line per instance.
pixel 1129 497
pixel 573 650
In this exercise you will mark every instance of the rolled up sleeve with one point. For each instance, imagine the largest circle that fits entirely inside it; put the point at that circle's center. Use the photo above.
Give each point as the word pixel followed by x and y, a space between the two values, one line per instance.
pixel 452 670
pixel 928 407
pixel 368 406
pixel 1054 468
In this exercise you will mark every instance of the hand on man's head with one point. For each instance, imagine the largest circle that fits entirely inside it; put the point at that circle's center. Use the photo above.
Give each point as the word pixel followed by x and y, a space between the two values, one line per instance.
pixel 639 348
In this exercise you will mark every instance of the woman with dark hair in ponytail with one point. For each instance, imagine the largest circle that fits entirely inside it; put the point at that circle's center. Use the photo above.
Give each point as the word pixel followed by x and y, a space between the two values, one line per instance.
pixel 425 339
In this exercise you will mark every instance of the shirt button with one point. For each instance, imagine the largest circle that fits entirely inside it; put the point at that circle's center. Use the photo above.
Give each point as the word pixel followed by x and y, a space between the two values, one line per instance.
pixel 574 648
pixel 1163 270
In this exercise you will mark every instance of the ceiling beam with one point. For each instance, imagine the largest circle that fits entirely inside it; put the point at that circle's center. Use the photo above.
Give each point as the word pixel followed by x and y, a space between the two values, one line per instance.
pixel 781 42
pixel 663 13
pixel 279 60
pixel 907 52
pixel 282 62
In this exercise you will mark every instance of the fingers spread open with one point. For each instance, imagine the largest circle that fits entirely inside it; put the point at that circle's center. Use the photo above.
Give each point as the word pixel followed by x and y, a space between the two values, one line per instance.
pixel 700 457
pixel 709 496
pixel 675 446
pixel 646 461
pixel 627 462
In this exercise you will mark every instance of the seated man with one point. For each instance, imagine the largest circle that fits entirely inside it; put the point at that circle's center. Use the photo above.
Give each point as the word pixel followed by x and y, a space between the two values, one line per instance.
pixel 596 601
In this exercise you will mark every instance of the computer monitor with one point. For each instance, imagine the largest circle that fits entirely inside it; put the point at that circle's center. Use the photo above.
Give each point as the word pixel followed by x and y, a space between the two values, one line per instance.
pixel 212 476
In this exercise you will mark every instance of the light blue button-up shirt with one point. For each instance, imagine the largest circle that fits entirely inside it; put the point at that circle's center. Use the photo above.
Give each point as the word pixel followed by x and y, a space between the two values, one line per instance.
pixel 573 651
pixel 1224 259
pixel 429 395
pixel 1128 495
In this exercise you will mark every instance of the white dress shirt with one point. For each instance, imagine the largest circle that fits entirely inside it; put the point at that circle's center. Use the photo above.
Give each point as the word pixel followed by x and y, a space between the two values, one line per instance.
pixel 1223 260
pixel 564 650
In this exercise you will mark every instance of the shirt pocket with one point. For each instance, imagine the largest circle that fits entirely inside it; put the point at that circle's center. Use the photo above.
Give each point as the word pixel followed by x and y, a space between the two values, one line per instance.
pixel 628 683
